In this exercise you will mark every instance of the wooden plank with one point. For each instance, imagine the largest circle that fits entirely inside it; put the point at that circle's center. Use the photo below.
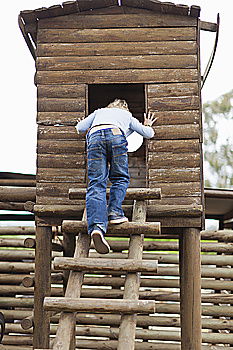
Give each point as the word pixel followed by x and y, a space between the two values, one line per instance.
pixel 58 133
pixel 132 283
pixel 116 62
pixel 174 103
pixel 173 160
pixel 65 331
pixel 61 105
pixel 72 305
pixel 61 91
pixel 115 35
pixel 174 175
pixel 55 118
pixel 42 286
pixel 76 21
pixel 119 76
pixel 176 146
pixel 117 48
pixel 176 117
pixel 168 132
pixel 173 189
pixel 64 161
pixel 60 147
pixel 59 175
pixel 190 298
pixel 57 189
pixel 104 265
pixel 171 90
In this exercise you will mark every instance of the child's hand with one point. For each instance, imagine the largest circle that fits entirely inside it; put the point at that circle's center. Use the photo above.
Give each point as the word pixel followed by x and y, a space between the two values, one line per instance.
pixel 149 119
pixel 80 119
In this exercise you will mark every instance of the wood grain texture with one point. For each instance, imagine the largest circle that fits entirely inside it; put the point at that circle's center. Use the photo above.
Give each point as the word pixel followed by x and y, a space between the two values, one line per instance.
pixel 75 21
pixel 115 35
pixel 116 76
pixel 116 62
pixel 117 48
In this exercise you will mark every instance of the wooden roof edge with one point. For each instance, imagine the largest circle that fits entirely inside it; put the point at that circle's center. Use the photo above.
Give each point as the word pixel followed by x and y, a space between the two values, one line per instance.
pixel 208 26
pixel 69 7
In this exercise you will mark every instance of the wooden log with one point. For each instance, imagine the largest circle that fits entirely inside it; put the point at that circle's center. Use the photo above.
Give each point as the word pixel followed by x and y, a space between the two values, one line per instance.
pixel 130 228
pixel 61 91
pixel 58 175
pixel 118 76
pixel 62 147
pixel 18 182
pixel 65 331
pixel 177 146
pixel 132 283
pixel 7 267
pixel 171 90
pixel 90 265
pixel 169 132
pixel 99 305
pixel 173 160
pixel 132 193
pixel 60 105
pixel 58 210
pixel 17 230
pixel 116 62
pixel 61 161
pixel 174 103
pixel 173 175
pixel 42 285
pixel 31 243
pixel 11 242
pixel 29 281
pixel 27 322
pixel 12 206
pixel 77 21
pixel 114 35
pixel 11 278
pixel 17 194
pixel 190 280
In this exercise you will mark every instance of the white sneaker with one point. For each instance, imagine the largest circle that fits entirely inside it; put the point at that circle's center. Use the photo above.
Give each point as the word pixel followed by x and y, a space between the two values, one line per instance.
pixel 100 243
pixel 118 220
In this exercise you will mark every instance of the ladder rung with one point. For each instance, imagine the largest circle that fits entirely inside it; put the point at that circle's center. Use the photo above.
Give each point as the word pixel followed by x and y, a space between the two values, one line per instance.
pixel 132 193
pixel 125 306
pixel 128 228
pixel 90 264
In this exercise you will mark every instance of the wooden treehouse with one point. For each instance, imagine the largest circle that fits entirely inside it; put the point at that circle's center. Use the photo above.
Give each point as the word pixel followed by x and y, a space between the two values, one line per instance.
pixel 87 53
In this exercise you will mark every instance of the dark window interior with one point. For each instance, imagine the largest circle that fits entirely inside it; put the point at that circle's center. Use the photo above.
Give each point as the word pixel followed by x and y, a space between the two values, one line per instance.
pixel 100 95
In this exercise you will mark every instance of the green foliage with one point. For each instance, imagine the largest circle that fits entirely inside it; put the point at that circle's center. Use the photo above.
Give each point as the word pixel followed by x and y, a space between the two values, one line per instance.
pixel 218 146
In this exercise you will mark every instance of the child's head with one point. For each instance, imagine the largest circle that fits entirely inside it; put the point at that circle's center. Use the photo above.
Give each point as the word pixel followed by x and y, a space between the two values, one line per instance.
pixel 117 103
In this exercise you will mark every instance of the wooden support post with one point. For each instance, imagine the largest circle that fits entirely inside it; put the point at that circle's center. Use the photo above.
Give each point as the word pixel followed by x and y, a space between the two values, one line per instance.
pixel 69 248
pixel 42 285
pixel 190 289
pixel 132 282
pixel 65 336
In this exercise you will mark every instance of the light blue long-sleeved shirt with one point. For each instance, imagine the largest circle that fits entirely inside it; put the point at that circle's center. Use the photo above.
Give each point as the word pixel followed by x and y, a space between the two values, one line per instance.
pixel 121 118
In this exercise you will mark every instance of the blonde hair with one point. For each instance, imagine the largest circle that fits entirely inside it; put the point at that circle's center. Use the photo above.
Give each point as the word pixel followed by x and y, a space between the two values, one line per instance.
pixel 117 103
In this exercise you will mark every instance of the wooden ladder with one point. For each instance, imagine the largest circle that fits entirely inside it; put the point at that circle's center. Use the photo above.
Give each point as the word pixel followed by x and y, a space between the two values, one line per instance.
pixel 130 305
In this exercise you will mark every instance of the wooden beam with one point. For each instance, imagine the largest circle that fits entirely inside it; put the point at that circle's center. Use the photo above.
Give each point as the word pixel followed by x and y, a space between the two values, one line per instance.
pixel 42 285
pixel 190 289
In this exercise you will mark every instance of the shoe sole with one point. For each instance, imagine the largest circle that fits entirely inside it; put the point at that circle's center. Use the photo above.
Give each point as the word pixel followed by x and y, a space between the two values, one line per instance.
pixel 101 245
pixel 118 221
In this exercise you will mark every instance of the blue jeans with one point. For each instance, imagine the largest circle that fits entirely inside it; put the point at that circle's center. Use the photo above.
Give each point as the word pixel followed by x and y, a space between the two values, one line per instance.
pixel 107 160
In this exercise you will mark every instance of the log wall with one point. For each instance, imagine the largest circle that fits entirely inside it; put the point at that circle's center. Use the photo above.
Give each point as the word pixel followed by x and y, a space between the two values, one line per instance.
pixel 158 331
pixel 86 59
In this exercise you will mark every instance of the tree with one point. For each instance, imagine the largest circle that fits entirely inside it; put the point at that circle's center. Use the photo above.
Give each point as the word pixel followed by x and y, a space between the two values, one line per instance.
pixel 218 141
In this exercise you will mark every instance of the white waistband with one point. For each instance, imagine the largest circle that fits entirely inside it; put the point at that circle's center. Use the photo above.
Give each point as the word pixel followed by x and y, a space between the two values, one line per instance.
pixel 103 126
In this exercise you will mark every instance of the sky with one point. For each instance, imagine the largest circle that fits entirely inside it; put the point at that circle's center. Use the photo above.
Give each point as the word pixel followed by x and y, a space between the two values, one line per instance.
pixel 18 92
